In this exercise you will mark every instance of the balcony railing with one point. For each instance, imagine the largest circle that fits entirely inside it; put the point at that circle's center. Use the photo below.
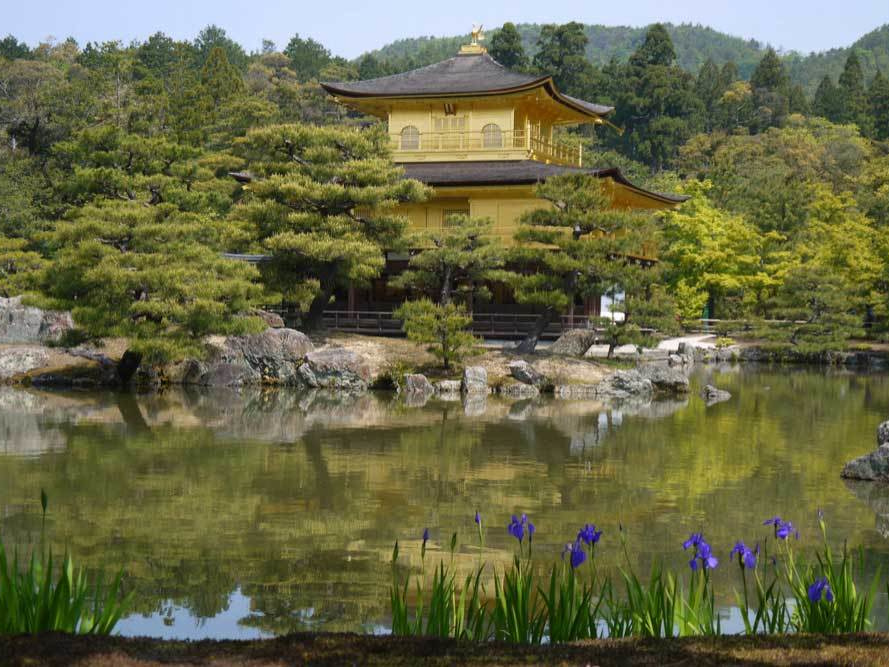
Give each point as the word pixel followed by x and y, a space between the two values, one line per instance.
pixel 481 142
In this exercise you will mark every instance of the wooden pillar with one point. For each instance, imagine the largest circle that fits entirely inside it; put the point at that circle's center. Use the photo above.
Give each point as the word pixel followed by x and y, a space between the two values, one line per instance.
pixel 351 306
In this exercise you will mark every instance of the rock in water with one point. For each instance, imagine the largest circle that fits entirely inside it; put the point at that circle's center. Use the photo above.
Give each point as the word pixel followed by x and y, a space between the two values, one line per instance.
pixel 624 384
pixel 883 434
pixel 448 389
pixel 873 466
pixel 26 324
pixel 574 342
pixel 416 390
pixel 519 390
pixel 17 360
pixel 712 394
pixel 475 380
pixel 665 379
pixel 524 372
pixel 336 368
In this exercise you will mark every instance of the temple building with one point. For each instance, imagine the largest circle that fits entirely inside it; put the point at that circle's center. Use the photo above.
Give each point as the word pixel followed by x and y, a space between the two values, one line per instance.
pixel 481 136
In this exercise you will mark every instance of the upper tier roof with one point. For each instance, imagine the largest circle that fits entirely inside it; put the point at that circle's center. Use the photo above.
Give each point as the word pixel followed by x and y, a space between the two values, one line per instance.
pixel 463 75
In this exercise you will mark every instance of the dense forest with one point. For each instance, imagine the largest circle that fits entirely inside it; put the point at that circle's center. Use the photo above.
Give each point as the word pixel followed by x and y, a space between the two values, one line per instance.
pixel 117 201
pixel 694 44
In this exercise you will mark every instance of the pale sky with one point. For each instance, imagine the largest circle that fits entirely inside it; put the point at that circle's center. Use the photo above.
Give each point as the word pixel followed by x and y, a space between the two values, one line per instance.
pixel 350 27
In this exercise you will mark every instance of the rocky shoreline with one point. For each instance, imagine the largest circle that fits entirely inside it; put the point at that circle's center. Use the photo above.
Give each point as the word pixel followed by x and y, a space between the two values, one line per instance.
pixel 31 353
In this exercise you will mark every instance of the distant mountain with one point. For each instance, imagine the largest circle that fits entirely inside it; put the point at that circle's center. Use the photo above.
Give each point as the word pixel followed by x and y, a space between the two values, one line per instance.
pixel 694 44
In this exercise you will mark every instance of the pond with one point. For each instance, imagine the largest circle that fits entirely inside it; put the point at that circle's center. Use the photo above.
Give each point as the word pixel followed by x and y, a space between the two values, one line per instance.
pixel 253 513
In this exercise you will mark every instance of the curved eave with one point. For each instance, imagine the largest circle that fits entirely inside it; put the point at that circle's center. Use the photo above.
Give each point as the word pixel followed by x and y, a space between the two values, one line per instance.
pixel 345 95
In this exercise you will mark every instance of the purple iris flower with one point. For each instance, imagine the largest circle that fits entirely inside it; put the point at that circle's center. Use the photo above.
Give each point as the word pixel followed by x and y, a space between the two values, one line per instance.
pixel 693 541
pixel 589 535
pixel 517 527
pixel 703 552
pixel 746 557
pixel 578 555
pixel 774 521
pixel 784 530
pixel 425 536
pixel 820 590
pixel 478 518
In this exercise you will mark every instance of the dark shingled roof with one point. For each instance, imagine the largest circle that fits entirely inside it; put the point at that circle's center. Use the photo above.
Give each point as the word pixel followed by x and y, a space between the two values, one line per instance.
pixel 475 74
pixel 513 172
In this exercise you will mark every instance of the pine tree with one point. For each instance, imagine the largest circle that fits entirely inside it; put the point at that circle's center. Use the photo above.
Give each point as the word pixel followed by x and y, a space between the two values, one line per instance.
pixel 307 57
pixel 656 49
pixel 151 274
pixel 454 263
pixel 577 247
pixel 656 103
pixel 878 100
pixel 827 102
pixel 322 207
pixel 444 325
pixel 561 52
pixel 220 79
pixel 771 92
pixel 709 87
pixel 507 49
pixel 854 105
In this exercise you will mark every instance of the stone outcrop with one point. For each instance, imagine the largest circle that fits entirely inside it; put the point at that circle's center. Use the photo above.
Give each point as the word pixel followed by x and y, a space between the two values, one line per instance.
pixel 524 372
pixel 416 389
pixel 475 380
pixel 272 320
pixel 336 368
pixel 712 394
pixel 20 324
pixel 18 360
pixel 625 384
pixel 574 342
pixel 272 357
pixel 875 465
pixel 665 379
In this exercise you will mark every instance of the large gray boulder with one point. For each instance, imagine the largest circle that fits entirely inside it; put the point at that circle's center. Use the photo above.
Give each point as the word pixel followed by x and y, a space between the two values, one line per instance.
pixel 475 380
pixel 272 357
pixel 17 360
pixel 417 389
pixel 873 466
pixel 665 379
pixel 26 324
pixel 336 368
pixel 625 384
pixel 524 372
pixel 574 342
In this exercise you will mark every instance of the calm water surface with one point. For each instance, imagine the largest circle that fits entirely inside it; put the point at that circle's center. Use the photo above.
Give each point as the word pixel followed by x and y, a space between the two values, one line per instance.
pixel 255 513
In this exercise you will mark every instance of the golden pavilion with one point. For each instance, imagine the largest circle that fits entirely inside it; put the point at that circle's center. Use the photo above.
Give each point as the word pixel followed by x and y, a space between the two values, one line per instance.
pixel 481 136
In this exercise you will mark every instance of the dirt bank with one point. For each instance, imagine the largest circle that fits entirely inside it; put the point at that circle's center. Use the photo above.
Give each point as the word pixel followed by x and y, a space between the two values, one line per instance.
pixel 345 649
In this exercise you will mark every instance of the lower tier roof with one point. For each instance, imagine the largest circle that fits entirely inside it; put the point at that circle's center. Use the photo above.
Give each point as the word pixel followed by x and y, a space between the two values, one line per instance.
pixel 515 172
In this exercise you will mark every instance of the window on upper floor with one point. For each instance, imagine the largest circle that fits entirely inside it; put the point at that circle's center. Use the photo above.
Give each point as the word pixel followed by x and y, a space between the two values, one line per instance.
pixel 410 138
pixel 492 136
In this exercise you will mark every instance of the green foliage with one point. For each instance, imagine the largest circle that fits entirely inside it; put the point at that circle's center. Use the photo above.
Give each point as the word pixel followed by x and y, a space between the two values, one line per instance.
pixel 151 274
pixel 580 246
pixel 560 52
pixel 33 601
pixel 307 57
pixel 456 262
pixel 443 325
pixel 506 47
pixel 323 207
